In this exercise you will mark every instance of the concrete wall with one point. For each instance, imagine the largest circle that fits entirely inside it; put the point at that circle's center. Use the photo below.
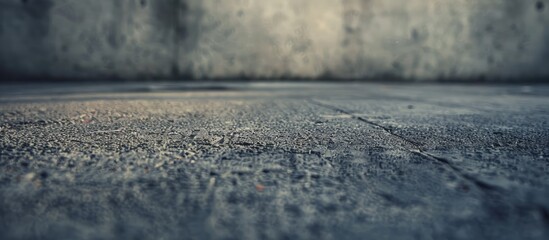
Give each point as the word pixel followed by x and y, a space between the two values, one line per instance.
pixel 172 39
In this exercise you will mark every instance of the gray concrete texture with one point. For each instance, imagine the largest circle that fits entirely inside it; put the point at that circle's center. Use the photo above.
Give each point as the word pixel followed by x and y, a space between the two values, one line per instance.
pixel 151 39
pixel 274 161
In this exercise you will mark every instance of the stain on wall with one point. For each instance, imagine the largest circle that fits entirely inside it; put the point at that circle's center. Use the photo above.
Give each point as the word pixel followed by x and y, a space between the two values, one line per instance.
pixel 342 39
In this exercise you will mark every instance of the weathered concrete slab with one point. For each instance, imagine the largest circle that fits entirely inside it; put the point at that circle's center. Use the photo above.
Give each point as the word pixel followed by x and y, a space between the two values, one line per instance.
pixel 249 161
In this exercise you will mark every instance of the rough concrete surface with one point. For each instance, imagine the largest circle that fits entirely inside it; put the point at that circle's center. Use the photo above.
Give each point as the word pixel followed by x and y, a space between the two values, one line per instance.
pixel 411 40
pixel 274 161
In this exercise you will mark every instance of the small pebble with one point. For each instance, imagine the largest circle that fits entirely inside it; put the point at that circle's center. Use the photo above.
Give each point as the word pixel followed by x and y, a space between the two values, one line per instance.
pixel 259 188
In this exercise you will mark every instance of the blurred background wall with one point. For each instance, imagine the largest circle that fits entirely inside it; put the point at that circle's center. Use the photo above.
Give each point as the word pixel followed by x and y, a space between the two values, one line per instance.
pixel 338 39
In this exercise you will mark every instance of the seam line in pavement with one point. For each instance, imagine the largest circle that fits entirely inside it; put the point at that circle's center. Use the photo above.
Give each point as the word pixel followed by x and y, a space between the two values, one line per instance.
pixel 359 118
pixel 445 162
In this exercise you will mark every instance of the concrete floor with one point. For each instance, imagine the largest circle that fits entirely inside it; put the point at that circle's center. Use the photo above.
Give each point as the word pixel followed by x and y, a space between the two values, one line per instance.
pixel 274 161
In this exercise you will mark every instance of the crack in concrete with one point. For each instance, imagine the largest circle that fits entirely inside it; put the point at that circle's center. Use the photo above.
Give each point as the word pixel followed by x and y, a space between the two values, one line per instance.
pixel 418 151
pixel 362 119
pixel 480 184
